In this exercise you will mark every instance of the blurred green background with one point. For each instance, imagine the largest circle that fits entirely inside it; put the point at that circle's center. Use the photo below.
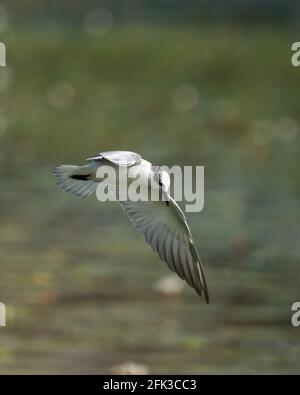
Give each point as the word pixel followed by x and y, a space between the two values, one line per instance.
pixel 206 83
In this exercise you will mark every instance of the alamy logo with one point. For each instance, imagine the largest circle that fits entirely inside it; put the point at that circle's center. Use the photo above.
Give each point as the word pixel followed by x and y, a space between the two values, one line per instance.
pixel 135 184
pixel 2 314
pixel 296 315
pixel 2 54
pixel 295 59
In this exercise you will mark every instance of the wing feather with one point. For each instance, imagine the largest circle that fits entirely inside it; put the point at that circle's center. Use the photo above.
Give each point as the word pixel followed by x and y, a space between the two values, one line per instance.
pixel 121 158
pixel 165 229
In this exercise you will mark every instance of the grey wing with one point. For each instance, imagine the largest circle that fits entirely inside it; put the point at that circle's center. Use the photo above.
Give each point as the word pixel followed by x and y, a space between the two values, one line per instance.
pixel 164 228
pixel 122 158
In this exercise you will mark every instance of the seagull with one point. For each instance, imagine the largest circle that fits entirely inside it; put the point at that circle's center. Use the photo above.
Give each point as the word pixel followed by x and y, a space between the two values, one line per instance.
pixel 162 223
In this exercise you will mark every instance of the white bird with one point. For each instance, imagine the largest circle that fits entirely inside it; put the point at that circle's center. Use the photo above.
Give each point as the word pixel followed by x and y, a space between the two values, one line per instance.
pixel 162 223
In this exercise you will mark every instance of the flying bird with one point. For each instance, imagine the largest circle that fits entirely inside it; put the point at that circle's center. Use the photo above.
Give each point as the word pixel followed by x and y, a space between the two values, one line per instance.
pixel 162 223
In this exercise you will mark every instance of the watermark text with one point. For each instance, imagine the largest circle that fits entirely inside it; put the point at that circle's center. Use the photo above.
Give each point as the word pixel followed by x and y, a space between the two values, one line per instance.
pixel 2 54
pixel 2 314
pixel 296 314
pixel 134 184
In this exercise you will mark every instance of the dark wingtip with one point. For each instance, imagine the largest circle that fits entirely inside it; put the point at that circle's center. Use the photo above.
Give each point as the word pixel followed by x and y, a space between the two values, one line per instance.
pixel 204 286
pixel 206 295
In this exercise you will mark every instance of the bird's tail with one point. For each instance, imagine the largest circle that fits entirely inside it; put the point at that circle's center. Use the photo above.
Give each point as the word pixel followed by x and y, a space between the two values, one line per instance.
pixel 75 179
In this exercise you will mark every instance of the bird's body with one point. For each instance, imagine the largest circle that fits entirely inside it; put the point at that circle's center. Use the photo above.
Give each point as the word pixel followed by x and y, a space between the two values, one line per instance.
pixel 161 222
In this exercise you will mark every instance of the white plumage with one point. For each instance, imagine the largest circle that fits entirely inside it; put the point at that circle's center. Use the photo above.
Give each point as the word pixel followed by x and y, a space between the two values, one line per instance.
pixel 162 223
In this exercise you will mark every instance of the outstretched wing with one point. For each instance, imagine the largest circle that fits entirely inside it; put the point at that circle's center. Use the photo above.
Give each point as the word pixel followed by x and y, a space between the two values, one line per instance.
pixel 119 158
pixel 164 227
